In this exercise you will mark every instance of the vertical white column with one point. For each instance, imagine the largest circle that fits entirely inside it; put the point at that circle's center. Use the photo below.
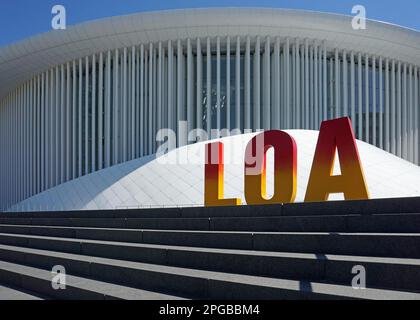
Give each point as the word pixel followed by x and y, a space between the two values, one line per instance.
pixel 381 105
pixel 15 139
pixel 124 127
pixel 42 129
pixel 154 100
pixel 3 139
pixel 393 112
pixel 387 108
pixel 67 153
pixel 50 134
pixel 403 124
pixel 337 84
pixel 319 63
pixel 13 143
pixel 218 101
pixel 2 147
pixel 199 95
pixel 80 119
pixel 267 86
pixel 30 139
pixel 146 102
pixel 12 136
pixel 299 113
pixel 228 118
pixel 352 91
pixel 311 89
pixel 100 111
pixel 399 110
pixel 276 104
pixel 133 102
pixel 108 110
pixel 115 111
pixel 74 121
pixel 160 87
pixel 34 141
pixel 293 85
pixel 22 120
pixel 325 85
pixel 37 145
pixel 7 153
pixel 247 84
pixel 238 84
pixel 307 112
pixel 287 83
pixel 16 173
pixel 416 115
pixel 137 111
pixel 316 85
pixel 3 163
pixel 171 113
pixel 360 98
pixel 63 135
pixel 28 171
pixel 180 93
pixel 7 138
pixel 410 116
pixel 142 99
pixel 15 108
pixel 87 168
pixel 374 109
pixel 53 131
pixel 345 85
pixel 93 114
pixel 367 102
pixel 257 89
pixel 151 107
pixel 208 88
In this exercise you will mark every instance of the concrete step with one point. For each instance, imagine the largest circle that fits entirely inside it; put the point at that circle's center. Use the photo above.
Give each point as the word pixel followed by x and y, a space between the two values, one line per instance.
pixel 395 223
pixel 192 212
pixel 360 244
pixel 11 293
pixel 382 272
pixel 40 281
pixel 365 207
pixel 185 282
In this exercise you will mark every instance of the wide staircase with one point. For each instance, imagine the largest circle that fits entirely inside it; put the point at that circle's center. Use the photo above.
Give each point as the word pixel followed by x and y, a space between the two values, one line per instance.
pixel 293 251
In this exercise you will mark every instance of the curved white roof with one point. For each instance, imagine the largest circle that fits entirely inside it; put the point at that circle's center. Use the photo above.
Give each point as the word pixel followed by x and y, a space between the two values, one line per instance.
pixel 20 61
pixel 158 182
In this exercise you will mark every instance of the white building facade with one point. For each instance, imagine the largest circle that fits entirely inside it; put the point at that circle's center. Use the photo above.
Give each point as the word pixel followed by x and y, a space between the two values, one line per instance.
pixel 76 101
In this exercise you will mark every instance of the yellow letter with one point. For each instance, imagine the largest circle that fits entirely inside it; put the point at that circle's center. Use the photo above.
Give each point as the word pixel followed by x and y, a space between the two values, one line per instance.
pixel 336 134
pixel 213 177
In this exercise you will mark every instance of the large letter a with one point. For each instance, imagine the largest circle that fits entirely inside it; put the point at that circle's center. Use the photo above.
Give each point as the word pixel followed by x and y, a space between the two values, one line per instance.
pixel 336 134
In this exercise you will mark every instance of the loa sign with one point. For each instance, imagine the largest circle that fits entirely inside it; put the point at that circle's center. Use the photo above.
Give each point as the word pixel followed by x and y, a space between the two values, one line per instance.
pixel 335 135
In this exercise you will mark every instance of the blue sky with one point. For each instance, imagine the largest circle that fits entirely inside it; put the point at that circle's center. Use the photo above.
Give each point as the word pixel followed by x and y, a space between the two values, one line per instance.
pixel 20 19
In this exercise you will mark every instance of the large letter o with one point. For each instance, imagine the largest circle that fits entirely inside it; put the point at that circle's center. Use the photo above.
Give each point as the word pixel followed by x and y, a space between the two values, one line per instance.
pixel 285 168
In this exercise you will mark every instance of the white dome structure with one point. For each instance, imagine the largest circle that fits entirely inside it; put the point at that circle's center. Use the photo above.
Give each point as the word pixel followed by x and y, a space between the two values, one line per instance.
pixel 176 179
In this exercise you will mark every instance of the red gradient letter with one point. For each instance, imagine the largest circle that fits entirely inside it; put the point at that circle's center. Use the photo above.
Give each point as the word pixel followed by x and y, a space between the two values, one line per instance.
pixel 214 177
pixel 336 134
pixel 284 168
